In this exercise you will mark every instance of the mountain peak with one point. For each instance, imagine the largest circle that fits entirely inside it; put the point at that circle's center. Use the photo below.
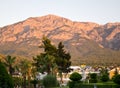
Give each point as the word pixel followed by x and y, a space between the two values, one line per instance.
pixel 52 15
pixel 49 16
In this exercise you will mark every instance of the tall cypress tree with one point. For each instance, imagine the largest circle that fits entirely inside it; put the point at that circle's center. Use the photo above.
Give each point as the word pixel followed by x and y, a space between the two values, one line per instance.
pixel 62 60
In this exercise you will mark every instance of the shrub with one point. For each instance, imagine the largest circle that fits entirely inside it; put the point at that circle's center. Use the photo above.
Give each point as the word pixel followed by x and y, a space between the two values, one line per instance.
pixel 116 79
pixel 50 81
pixel 34 82
pixel 71 84
pixel 104 78
pixel 75 76
pixel 97 85
pixel 93 78
pixel 5 79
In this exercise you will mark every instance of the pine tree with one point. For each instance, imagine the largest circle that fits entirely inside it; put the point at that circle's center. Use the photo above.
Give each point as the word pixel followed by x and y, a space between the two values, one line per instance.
pixel 62 60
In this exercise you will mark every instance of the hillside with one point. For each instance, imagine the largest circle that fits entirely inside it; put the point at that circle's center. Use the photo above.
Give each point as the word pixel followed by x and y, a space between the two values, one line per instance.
pixel 86 41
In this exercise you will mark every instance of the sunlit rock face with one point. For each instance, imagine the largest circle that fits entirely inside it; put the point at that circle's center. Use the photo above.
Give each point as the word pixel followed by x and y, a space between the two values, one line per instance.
pixel 73 34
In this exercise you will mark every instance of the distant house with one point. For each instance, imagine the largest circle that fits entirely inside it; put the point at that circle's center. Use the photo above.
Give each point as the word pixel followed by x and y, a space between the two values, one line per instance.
pixel 40 76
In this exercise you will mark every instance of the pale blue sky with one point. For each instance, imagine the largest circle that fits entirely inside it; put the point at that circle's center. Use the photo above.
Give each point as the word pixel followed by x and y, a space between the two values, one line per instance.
pixel 99 11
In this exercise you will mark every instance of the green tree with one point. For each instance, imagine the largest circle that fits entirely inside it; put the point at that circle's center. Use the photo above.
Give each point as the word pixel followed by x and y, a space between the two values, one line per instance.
pixel 93 78
pixel 52 57
pixel 44 63
pixel 62 60
pixel 25 69
pixel 75 76
pixel 104 74
pixel 9 61
pixel 105 78
pixel 5 79
pixel 50 81
pixel 117 79
pixel 49 48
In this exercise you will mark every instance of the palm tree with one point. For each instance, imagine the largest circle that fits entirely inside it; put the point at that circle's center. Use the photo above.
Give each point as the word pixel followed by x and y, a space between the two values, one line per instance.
pixel 25 69
pixel 9 61
pixel 44 63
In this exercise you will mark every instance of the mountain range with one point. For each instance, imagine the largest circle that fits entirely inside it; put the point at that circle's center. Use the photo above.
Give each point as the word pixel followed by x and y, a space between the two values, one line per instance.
pixel 87 42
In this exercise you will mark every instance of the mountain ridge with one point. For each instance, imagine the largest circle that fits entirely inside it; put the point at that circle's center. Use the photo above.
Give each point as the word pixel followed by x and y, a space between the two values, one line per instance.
pixel 81 39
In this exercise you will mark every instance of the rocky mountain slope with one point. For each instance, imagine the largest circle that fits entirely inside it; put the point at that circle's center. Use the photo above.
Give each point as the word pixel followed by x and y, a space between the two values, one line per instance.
pixel 84 40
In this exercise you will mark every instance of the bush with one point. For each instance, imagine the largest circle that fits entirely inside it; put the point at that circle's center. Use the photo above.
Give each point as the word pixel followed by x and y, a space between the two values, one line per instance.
pixel 5 79
pixel 116 79
pixel 93 78
pixel 71 84
pixel 104 78
pixel 97 86
pixel 34 82
pixel 75 76
pixel 50 81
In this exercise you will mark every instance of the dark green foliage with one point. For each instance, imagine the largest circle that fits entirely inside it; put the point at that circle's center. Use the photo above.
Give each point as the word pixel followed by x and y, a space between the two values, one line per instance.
pixel 51 57
pixel 105 78
pixel 9 61
pixel 75 76
pixel 34 82
pixel 63 59
pixel 93 78
pixel 117 79
pixel 17 81
pixel 50 81
pixel 79 85
pixel 5 79
pixel 48 47
pixel 25 66
pixel 44 62
pixel 72 84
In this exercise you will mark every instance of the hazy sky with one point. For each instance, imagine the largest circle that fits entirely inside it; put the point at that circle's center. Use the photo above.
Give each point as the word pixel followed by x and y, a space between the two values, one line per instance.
pixel 99 11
